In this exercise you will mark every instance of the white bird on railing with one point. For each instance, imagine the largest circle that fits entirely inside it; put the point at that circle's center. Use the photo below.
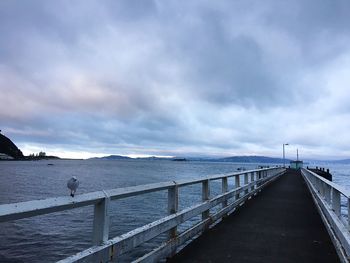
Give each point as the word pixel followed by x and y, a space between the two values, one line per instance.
pixel 73 184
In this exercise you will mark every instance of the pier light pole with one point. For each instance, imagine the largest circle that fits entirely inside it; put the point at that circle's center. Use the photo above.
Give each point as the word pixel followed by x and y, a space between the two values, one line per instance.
pixel 284 157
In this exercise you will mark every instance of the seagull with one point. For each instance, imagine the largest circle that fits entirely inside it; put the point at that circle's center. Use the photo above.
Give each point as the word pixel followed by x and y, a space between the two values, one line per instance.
pixel 73 184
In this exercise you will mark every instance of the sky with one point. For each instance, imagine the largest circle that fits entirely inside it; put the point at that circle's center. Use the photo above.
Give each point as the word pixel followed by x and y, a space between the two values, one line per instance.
pixel 176 78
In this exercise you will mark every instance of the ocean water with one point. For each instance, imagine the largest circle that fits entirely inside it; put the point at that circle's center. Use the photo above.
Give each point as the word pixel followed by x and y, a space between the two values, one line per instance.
pixel 52 237
pixel 55 236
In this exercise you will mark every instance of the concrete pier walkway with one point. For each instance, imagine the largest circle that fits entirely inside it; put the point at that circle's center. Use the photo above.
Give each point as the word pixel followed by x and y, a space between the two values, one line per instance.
pixel 281 225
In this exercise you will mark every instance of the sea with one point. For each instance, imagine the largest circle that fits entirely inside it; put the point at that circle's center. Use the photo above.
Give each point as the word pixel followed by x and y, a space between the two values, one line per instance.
pixel 49 238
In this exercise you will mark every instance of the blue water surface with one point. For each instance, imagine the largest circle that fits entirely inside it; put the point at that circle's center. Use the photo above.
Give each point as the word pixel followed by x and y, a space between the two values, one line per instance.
pixel 58 235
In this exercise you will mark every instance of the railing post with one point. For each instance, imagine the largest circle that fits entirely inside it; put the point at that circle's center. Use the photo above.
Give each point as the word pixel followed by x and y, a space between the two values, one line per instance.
pixel 246 182
pixel 323 185
pixel 336 201
pixel 261 175
pixel 173 205
pixel 328 194
pixel 224 190
pixel 101 222
pixel 237 184
pixel 324 190
pixel 349 213
pixel 252 180
pixel 205 197
pixel 319 186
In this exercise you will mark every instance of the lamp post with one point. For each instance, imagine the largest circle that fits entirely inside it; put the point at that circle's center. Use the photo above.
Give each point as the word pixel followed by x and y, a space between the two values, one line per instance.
pixel 284 158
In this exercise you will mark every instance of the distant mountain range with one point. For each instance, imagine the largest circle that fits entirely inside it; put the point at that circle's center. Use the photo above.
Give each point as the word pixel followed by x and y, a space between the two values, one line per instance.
pixel 152 158
pixel 253 159
pixel 343 161
pixel 9 150
pixel 111 157
pixel 235 159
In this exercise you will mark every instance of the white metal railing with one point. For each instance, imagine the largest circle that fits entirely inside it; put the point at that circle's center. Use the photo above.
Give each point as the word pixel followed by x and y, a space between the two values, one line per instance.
pixel 105 249
pixel 327 196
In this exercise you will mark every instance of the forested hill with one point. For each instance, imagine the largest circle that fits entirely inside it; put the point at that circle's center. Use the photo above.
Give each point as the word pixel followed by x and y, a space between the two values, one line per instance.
pixel 9 148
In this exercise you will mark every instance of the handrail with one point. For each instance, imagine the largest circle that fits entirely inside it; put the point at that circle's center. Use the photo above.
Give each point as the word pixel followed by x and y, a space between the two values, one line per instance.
pixel 338 187
pixel 14 211
pixel 327 197
pixel 104 248
pixel 26 209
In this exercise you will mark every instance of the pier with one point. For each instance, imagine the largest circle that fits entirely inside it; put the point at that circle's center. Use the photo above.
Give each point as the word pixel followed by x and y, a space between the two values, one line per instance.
pixel 281 225
pixel 263 215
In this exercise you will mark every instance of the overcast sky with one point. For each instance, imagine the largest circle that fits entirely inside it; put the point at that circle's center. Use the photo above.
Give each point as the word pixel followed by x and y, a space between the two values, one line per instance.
pixel 88 78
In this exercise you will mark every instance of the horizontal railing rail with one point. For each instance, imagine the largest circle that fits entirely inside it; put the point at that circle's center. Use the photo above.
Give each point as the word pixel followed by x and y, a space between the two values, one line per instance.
pixel 327 196
pixel 27 209
pixel 105 249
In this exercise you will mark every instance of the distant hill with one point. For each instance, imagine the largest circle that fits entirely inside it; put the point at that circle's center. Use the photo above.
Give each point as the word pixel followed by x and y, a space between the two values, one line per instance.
pixel 345 161
pixel 236 159
pixel 121 157
pixel 252 159
pixel 154 158
pixel 111 157
pixel 313 162
pixel 9 148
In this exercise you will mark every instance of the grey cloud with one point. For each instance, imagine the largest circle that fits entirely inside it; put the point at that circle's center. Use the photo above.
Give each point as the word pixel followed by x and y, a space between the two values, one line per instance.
pixel 320 29
pixel 171 76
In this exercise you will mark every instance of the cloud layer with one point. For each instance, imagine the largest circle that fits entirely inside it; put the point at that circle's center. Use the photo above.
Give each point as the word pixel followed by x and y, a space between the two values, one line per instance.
pixel 171 78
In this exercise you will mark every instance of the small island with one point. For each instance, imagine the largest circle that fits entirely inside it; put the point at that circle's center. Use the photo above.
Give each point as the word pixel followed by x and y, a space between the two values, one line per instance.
pixel 179 159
